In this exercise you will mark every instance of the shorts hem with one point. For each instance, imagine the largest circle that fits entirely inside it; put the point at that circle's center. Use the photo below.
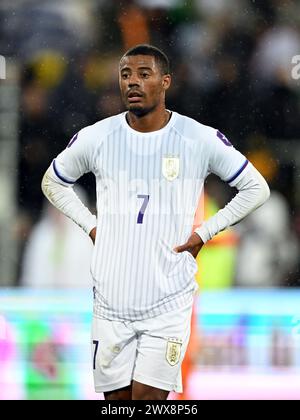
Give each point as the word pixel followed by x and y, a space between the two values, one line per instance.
pixel 111 387
pixel 156 383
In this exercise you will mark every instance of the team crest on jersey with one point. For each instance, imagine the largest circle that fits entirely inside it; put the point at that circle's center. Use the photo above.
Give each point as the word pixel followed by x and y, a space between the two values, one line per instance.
pixel 170 167
pixel 173 351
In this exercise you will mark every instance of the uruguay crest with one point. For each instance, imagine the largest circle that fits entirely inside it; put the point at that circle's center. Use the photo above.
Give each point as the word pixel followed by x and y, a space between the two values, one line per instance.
pixel 170 167
pixel 173 351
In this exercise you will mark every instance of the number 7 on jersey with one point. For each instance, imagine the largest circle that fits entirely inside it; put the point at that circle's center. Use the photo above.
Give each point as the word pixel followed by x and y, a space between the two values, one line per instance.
pixel 143 208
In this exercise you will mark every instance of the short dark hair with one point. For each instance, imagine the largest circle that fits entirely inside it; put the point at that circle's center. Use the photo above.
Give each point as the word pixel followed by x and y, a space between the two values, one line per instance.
pixel 146 49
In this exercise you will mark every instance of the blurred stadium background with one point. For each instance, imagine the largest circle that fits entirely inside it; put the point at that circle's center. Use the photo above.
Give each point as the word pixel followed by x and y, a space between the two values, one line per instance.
pixel 234 67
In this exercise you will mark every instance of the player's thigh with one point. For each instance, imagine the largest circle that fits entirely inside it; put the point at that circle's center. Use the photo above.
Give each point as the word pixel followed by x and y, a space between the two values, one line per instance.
pixel 147 392
pixel 119 394
pixel 161 350
pixel 113 354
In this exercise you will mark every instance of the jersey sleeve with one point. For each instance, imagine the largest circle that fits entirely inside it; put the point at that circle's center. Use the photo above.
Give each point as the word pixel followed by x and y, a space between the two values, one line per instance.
pixel 76 159
pixel 224 160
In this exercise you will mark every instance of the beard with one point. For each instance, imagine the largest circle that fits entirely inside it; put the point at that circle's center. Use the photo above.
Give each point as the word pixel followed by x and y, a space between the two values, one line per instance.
pixel 139 110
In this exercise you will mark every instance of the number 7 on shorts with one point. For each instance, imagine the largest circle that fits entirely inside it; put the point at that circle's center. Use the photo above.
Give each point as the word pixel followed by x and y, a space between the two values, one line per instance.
pixel 96 343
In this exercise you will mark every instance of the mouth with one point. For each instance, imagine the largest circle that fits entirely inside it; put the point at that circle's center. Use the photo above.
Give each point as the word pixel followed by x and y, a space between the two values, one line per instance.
pixel 134 96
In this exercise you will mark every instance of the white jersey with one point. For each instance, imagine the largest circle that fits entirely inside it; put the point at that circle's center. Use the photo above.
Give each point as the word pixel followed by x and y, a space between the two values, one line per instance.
pixel 148 190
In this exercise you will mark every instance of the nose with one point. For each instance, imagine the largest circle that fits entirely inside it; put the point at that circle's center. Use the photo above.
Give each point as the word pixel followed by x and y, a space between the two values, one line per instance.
pixel 133 81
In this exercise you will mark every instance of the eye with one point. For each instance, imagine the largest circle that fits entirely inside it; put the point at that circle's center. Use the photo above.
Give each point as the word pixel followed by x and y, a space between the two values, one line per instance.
pixel 124 75
pixel 145 75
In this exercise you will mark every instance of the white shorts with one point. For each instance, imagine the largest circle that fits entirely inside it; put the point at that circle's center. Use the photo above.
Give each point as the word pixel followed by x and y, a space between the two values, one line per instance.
pixel 149 351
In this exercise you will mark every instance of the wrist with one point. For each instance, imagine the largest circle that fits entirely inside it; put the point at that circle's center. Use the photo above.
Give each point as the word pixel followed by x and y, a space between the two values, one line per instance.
pixel 91 223
pixel 203 233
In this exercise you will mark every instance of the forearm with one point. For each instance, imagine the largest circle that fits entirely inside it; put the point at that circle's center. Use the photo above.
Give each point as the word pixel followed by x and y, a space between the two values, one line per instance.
pixel 65 200
pixel 253 191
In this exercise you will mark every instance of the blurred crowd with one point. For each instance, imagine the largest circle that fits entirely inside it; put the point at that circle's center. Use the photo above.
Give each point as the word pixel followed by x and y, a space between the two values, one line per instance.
pixel 231 67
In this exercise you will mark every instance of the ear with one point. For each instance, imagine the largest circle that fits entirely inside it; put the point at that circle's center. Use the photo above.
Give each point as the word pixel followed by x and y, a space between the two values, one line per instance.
pixel 166 82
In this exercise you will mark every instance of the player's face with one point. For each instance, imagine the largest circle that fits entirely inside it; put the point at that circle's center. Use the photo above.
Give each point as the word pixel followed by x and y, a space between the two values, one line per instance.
pixel 142 83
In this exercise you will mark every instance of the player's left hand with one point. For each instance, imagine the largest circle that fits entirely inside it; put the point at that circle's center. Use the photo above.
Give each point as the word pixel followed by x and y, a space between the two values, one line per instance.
pixel 193 245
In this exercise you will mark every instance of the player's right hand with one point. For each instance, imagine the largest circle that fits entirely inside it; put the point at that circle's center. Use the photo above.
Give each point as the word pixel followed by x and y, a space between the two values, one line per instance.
pixel 92 234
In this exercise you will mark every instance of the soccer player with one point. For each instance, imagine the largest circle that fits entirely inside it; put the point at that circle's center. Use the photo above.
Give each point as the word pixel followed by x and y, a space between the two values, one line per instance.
pixel 150 165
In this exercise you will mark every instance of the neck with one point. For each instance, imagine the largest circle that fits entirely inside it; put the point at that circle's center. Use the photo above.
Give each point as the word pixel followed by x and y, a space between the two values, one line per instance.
pixel 152 121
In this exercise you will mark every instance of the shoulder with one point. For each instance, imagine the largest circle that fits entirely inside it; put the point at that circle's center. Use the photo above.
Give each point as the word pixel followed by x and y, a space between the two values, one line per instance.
pixel 193 130
pixel 102 128
pixel 90 138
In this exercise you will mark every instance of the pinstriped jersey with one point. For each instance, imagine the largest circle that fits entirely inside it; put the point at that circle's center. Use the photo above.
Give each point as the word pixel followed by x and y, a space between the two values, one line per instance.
pixel 148 189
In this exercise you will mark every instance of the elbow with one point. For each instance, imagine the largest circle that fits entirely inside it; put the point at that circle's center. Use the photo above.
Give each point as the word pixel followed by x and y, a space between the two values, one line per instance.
pixel 45 183
pixel 266 192
pixel 263 187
